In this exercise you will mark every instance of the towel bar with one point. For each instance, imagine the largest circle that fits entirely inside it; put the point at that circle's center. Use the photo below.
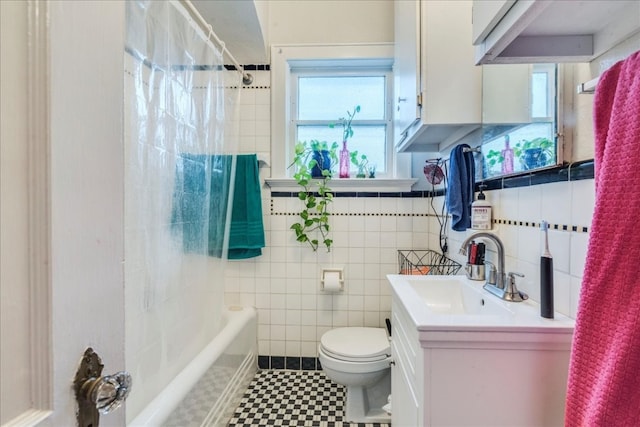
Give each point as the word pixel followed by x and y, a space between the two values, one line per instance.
pixel 263 159
pixel 588 87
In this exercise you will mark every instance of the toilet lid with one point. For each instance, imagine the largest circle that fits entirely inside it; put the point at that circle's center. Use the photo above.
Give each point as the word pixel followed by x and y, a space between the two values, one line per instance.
pixel 356 344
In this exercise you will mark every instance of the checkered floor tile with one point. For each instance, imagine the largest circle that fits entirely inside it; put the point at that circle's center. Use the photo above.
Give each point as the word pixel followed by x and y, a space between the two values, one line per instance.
pixel 293 398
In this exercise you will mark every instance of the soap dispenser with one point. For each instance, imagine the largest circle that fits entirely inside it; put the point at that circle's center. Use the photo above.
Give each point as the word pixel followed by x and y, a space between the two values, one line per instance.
pixel 481 217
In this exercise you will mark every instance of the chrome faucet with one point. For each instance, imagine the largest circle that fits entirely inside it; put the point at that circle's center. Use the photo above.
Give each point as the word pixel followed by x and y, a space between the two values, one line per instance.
pixel 497 281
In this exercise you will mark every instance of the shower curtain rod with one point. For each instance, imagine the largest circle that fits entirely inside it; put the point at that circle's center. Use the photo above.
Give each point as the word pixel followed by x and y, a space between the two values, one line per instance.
pixel 247 78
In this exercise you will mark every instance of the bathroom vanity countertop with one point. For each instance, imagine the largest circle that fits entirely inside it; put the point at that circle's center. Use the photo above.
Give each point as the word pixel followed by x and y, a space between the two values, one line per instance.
pixel 457 304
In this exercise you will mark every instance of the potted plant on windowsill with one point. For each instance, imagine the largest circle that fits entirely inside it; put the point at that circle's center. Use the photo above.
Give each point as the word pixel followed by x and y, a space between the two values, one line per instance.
pixel 322 153
pixel 347 132
pixel 535 153
pixel 361 163
pixel 315 157
pixel 532 154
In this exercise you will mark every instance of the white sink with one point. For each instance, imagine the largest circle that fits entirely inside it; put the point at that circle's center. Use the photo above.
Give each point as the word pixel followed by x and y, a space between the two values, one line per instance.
pixel 441 302
pixel 453 296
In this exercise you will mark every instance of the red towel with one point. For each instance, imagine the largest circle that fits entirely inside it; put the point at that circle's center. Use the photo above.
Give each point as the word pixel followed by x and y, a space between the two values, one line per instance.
pixel 604 374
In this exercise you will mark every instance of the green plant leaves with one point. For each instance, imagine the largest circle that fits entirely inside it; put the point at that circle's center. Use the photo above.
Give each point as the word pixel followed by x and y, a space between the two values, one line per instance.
pixel 316 194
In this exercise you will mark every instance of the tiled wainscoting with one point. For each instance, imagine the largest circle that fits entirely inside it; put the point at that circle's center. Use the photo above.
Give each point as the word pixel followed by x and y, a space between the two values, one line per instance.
pixel 369 228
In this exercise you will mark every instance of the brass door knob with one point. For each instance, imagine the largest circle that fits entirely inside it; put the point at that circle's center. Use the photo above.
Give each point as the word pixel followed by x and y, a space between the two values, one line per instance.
pixel 96 393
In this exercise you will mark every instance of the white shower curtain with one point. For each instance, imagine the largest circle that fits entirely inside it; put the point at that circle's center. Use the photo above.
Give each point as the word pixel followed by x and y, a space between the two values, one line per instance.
pixel 176 126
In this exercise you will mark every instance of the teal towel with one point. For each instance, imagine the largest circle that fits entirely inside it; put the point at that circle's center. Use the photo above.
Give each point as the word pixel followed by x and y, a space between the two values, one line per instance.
pixel 246 237
pixel 189 205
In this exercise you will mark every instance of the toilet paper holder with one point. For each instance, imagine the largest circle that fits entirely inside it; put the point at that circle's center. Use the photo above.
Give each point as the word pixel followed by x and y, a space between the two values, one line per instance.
pixel 332 280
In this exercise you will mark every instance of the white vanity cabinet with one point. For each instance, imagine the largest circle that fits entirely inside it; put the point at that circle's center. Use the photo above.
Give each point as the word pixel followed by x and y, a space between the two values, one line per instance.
pixel 475 369
pixel 438 88
pixel 406 372
pixel 535 31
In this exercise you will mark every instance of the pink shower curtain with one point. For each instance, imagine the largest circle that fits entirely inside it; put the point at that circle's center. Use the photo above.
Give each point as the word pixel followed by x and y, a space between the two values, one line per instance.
pixel 604 375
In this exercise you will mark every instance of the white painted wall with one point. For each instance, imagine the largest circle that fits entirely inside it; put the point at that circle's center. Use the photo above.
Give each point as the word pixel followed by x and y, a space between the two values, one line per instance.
pixel 339 21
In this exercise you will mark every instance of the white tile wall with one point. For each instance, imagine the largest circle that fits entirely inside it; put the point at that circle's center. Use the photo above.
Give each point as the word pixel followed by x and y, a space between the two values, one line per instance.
pixel 563 203
pixel 284 283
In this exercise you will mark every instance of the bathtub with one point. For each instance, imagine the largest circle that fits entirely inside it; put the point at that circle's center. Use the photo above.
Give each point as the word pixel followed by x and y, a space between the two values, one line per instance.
pixel 207 391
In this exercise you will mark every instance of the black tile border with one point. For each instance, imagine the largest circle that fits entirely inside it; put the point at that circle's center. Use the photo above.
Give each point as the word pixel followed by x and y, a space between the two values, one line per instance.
pixel 368 194
pixel 582 170
pixel 263 362
pixel 249 67
pixel 277 362
pixel 572 172
pixel 293 363
pixel 569 172
pixel 533 224
pixel 515 182
pixel 289 363
pixel 309 364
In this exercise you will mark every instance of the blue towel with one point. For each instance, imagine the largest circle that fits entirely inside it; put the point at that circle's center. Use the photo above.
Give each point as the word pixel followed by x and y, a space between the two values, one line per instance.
pixel 189 205
pixel 461 183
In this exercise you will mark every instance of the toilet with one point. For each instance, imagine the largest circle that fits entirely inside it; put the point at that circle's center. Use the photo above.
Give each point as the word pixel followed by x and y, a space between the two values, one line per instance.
pixel 359 358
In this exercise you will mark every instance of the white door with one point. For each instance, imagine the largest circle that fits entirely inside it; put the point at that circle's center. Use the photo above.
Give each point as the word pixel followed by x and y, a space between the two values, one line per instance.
pixel 62 233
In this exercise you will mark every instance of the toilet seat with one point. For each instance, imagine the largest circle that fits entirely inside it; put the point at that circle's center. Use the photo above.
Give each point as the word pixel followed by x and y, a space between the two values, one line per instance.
pixel 356 344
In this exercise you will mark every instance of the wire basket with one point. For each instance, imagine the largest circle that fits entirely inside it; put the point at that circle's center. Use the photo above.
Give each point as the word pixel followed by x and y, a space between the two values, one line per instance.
pixel 422 262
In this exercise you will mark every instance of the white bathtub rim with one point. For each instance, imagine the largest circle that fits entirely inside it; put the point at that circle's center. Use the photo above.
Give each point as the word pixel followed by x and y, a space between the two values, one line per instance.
pixel 159 409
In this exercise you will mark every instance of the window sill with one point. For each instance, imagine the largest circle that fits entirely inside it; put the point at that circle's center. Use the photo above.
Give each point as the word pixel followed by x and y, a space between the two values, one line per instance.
pixel 340 185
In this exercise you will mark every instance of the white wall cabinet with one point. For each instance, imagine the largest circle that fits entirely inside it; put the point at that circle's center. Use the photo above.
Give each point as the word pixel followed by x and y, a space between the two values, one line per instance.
pixel 534 31
pixel 438 89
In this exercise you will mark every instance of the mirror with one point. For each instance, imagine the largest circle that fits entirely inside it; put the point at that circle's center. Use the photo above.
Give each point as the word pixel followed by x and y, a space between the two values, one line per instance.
pixel 519 118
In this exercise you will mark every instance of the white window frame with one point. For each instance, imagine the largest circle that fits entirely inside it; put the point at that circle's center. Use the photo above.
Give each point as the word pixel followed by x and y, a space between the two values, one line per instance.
pixel 283 57
pixel 331 68
pixel 552 76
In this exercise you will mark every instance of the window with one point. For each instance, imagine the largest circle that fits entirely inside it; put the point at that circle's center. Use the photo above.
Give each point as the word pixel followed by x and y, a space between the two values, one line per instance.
pixel 324 93
pixel 368 65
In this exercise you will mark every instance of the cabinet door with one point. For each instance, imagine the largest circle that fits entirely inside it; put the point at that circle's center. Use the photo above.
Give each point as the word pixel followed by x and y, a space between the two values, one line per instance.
pixel 451 82
pixel 404 404
pixel 406 69
pixel 486 14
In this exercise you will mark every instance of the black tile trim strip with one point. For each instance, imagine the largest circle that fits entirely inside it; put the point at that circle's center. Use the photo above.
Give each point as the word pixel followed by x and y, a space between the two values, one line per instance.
pixel 290 363
pixel 370 194
pixel 570 172
pixel 248 87
pixel 559 227
pixel 353 214
pixel 250 67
